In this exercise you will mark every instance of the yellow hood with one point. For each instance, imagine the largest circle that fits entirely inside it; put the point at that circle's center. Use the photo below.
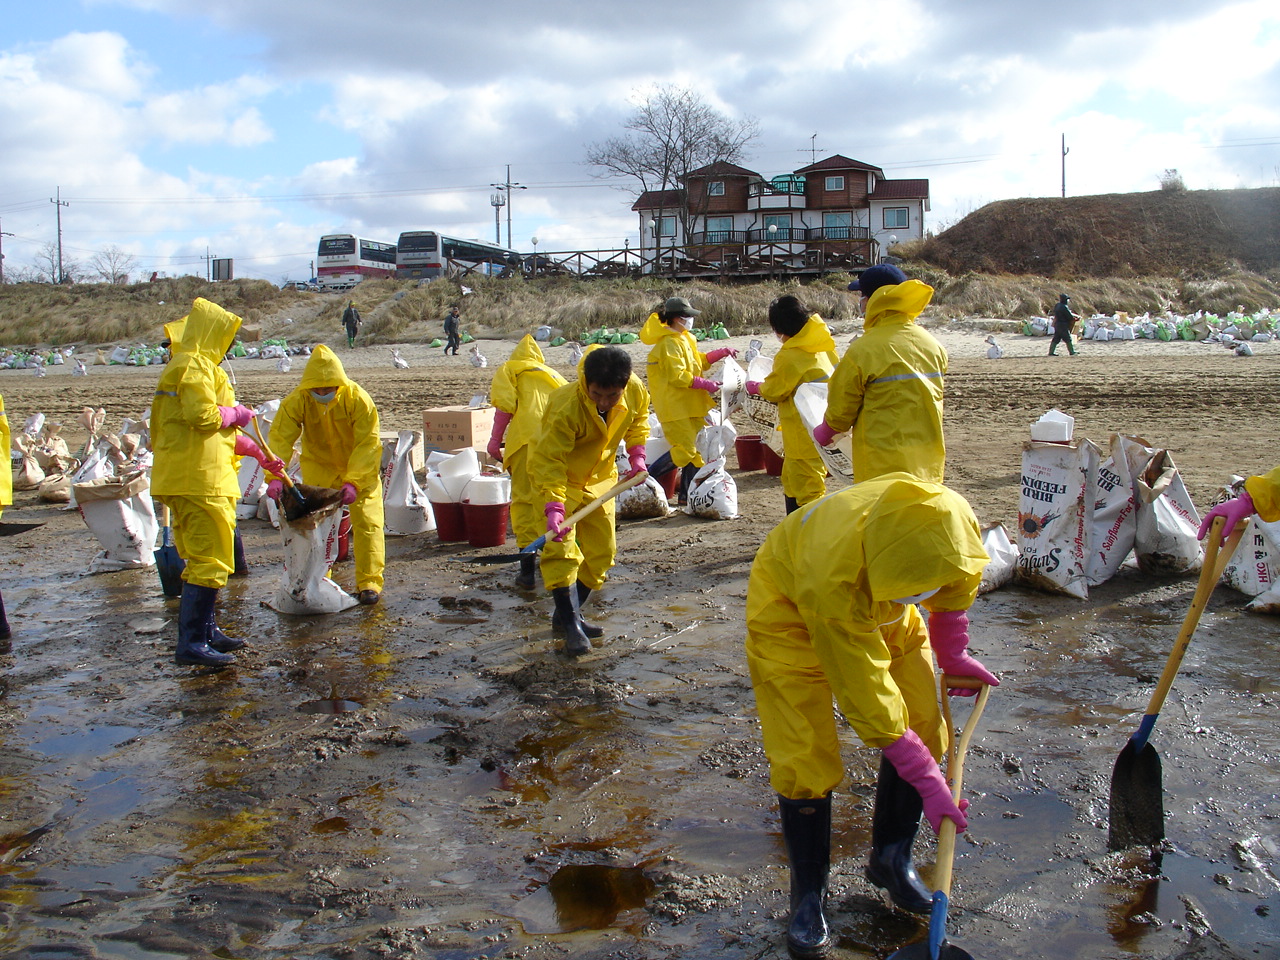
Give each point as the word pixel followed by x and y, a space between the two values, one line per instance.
pixel 209 331
pixel 527 349
pixel 654 330
pixel 814 337
pixel 898 302
pixel 324 369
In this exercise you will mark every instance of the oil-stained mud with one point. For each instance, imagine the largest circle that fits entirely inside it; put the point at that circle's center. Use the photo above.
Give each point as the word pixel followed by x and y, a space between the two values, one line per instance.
pixel 429 778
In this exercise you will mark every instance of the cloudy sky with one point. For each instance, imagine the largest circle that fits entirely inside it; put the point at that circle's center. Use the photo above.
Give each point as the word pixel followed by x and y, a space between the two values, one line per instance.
pixel 247 128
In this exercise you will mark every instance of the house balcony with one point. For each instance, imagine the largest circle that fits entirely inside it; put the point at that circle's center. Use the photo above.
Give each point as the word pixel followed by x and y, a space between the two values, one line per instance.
pixel 780 193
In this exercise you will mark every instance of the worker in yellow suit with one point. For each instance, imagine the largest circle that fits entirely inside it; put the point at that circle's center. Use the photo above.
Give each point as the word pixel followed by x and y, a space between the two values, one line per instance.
pixel 6 500
pixel 808 355
pixel 195 440
pixel 573 463
pixel 888 384
pixel 831 614
pixel 682 396
pixel 338 423
pixel 1261 495
pixel 519 393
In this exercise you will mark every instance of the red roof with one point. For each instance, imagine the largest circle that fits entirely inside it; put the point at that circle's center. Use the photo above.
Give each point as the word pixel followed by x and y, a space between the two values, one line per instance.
pixel 838 162
pixel 901 190
pixel 658 199
pixel 721 168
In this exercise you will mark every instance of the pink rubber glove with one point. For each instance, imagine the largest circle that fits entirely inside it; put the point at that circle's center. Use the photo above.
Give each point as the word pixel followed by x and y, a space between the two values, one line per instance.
pixel 702 383
pixel 237 416
pixel 349 494
pixel 636 456
pixel 500 420
pixel 1234 511
pixel 273 466
pixel 245 447
pixel 555 520
pixel 275 488
pixel 718 354
pixel 949 636
pixel 911 758
pixel 753 387
pixel 823 435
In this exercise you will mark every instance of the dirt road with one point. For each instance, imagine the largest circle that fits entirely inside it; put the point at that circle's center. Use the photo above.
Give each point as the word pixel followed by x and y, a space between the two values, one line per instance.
pixel 427 778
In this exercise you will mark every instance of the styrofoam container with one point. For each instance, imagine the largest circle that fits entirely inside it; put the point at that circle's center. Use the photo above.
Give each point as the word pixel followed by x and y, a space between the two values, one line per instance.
pixel 457 471
pixel 1054 427
pixel 488 490
pixel 437 492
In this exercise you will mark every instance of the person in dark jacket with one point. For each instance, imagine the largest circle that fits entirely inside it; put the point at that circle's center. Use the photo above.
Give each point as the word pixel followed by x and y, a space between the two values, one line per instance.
pixel 1064 320
pixel 351 320
pixel 453 330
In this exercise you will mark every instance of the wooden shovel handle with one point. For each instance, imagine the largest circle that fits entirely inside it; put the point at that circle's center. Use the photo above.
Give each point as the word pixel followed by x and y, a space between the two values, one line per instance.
pixel 619 487
pixel 955 769
pixel 262 445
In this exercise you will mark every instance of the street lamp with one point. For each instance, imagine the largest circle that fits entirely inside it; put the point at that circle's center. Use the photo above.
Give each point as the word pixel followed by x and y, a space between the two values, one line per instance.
pixel 653 229
pixel 773 232
pixel 534 241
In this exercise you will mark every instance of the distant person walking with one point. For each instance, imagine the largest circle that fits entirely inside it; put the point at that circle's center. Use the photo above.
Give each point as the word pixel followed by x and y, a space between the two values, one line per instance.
pixel 453 330
pixel 1064 321
pixel 351 320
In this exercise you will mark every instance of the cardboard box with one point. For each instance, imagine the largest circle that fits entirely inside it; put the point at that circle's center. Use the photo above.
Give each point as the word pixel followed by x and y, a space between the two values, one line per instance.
pixel 450 429
pixel 417 457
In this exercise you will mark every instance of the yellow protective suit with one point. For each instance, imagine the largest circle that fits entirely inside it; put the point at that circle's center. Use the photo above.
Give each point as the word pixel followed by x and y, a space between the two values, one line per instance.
pixel 340 445
pixel 1264 490
pixel 6 474
pixel 808 357
pixel 521 387
pixel 572 463
pixel 822 622
pixel 193 472
pixel 681 409
pixel 888 387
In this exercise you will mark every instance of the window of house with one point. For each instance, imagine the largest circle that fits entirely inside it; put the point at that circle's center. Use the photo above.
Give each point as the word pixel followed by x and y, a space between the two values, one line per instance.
pixel 780 220
pixel 719 229
pixel 835 183
pixel 666 226
pixel 715 188
pixel 835 226
pixel 895 218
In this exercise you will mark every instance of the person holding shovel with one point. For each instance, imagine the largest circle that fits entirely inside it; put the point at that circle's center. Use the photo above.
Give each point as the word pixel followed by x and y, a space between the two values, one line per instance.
pixel 831 615
pixel 195 440
pixel 338 423
pixel 682 396
pixel 573 463
pixel 1261 495
pixel 519 392
pixel 808 355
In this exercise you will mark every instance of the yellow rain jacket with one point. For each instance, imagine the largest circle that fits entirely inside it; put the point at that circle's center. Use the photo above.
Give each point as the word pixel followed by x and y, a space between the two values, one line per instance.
pixel 521 387
pixel 340 444
pixel 807 357
pixel 822 623
pixel 888 387
pixel 681 409
pixel 6 475
pixel 1264 490
pixel 573 462
pixel 194 472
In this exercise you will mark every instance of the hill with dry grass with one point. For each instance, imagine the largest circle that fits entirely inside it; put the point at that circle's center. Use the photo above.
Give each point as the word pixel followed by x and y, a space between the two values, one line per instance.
pixel 1165 233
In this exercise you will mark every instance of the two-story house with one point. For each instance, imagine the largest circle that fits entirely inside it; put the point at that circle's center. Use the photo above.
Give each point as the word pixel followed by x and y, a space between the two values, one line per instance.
pixel 835 214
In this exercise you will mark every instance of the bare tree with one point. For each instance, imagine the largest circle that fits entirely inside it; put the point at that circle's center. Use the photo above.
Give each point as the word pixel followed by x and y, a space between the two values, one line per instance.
pixel 673 132
pixel 46 266
pixel 112 265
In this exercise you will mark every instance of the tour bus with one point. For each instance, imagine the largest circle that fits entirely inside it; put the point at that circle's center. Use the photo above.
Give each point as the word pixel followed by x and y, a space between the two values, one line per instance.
pixel 343 260
pixel 425 254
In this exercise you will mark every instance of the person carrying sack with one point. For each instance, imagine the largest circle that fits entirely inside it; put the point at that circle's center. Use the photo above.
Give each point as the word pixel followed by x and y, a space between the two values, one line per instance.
pixel 1064 321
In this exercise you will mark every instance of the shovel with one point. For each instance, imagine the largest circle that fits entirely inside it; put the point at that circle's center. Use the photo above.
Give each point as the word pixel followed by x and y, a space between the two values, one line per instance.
pixel 292 501
pixel 168 563
pixel 936 946
pixel 533 548
pixel 10 528
pixel 1137 800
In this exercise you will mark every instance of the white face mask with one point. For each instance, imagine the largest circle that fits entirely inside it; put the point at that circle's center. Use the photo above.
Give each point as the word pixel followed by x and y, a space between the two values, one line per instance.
pixel 684 323
pixel 319 397
pixel 916 598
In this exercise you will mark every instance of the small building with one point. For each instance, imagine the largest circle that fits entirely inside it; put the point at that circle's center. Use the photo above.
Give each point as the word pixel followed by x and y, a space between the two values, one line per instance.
pixel 835 214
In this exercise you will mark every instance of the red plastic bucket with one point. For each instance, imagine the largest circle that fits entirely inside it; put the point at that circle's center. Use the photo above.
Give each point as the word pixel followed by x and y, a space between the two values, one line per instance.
pixel 486 523
pixel 669 481
pixel 772 462
pixel 451 522
pixel 344 536
pixel 750 452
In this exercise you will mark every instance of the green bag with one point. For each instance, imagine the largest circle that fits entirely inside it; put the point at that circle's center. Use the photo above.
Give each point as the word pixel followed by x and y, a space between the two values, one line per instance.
pixel 436 343
pixel 629 338
pixel 557 342
pixel 1028 329
pixel 237 349
pixel 468 338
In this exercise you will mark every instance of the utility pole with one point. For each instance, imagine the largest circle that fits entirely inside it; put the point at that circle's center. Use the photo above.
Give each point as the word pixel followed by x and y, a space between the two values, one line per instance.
pixel 208 264
pixel 1065 151
pixel 508 186
pixel 3 234
pixel 61 203
pixel 498 200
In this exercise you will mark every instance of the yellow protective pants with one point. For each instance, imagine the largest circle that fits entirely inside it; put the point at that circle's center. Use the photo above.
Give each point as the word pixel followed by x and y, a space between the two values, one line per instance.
pixel 796 677
pixel 204 532
pixel 803 478
pixel 368 542
pixel 527 518
pixel 682 434
pixel 588 553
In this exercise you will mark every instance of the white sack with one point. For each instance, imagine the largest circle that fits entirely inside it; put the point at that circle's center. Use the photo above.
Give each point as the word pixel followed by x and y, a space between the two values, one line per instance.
pixel 1167 520
pixel 1255 567
pixel 643 501
pixel 1054 513
pixel 119 512
pixel 733 388
pixel 657 443
pixel 762 413
pixel 713 494
pixel 1114 524
pixel 310 549
pixel 405 507
pixel 811 404
pixel 1004 558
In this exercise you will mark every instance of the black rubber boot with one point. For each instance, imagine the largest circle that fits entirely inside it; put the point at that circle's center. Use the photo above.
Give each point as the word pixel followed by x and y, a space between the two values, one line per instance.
pixel 686 480
pixel 791 504
pixel 570 627
pixel 216 638
pixel 194 610
pixel 524 579
pixel 806 830
pixel 241 564
pixel 893 830
pixel 6 646
pixel 590 629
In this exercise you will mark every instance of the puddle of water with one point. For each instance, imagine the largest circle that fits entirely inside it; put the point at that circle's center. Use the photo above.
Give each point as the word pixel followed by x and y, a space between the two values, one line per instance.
pixel 586 897
pixel 329 706
pixel 331 825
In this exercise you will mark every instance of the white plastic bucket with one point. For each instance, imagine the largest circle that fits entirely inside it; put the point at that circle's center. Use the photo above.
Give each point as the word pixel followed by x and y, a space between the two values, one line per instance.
pixel 457 471
pixel 489 490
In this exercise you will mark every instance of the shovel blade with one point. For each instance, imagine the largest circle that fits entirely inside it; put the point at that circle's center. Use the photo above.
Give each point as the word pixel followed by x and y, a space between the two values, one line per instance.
pixel 1137 799
pixel 920 951
pixel 169 564
pixel 9 528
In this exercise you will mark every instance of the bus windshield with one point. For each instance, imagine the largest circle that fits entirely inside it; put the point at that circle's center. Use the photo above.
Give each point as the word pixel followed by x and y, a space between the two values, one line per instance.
pixel 417 242
pixel 333 246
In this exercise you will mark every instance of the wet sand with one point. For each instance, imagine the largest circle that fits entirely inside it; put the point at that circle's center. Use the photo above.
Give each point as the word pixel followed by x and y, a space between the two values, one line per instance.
pixel 428 778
